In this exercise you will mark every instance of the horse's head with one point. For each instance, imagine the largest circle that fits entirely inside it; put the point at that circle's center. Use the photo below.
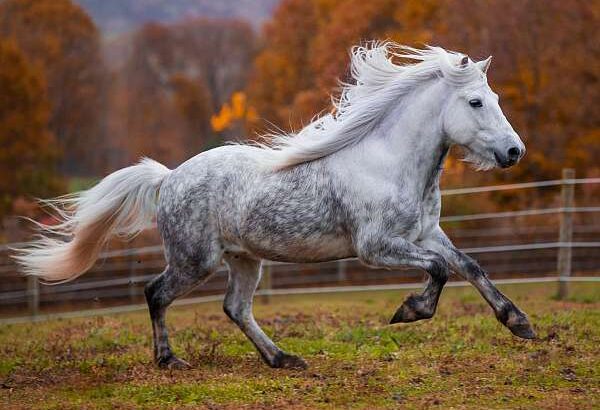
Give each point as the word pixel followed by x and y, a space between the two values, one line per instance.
pixel 474 120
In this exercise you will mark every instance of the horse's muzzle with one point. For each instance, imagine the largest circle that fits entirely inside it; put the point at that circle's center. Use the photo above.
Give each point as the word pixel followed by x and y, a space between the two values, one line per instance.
pixel 510 157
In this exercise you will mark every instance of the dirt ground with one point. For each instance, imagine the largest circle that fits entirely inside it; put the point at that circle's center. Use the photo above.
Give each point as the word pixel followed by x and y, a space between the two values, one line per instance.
pixel 462 358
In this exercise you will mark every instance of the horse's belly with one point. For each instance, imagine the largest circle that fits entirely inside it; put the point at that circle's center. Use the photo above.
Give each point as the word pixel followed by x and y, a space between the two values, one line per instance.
pixel 301 250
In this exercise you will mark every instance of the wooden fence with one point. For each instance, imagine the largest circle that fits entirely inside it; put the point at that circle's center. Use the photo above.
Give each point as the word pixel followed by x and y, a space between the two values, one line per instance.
pixel 516 251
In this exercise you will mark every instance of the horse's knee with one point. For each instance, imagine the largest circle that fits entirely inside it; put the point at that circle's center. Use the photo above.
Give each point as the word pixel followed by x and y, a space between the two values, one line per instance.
pixel 472 270
pixel 439 269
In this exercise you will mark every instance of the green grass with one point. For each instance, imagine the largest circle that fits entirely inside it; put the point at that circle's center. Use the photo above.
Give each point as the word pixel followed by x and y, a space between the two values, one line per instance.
pixel 462 358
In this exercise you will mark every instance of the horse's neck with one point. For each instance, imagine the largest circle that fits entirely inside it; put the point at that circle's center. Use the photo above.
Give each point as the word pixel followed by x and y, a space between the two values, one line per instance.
pixel 408 145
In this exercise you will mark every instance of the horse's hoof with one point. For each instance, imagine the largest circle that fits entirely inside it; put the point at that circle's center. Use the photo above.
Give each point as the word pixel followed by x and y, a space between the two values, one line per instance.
pixel 288 361
pixel 412 309
pixel 523 330
pixel 516 321
pixel 172 362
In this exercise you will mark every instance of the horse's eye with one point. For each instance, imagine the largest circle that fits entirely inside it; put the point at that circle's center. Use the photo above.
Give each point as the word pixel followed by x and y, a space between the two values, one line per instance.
pixel 475 103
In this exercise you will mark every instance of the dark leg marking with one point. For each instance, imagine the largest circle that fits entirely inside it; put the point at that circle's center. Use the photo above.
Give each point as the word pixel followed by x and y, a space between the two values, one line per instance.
pixel 423 306
pixel 283 360
pixel 516 321
pixel 505 310
pixel 160 293
pixel 397 252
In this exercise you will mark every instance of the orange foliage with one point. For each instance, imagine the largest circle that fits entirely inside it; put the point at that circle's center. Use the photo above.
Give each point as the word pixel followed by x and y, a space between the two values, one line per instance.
pixel 175 76
pixel 62 41
pixel 307 44
pixel 28 154
pixel 234 112
pixel 547 75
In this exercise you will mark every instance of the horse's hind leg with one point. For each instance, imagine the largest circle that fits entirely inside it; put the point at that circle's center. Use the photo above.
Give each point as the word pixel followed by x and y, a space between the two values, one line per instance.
pixel 160 293
pixel 244 275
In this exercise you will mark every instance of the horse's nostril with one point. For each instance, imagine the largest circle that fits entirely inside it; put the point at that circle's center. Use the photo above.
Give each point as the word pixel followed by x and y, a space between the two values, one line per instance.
pixel 514 153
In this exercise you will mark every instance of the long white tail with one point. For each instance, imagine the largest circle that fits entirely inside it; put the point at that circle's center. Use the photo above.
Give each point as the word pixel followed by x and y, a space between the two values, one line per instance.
pixel 123 203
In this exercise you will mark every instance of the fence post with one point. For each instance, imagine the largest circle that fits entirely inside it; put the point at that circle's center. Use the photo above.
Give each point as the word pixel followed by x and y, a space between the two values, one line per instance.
pixel 341 271
pixel 566 233
pixel 265 283
pixel 33 295
pixel 132 272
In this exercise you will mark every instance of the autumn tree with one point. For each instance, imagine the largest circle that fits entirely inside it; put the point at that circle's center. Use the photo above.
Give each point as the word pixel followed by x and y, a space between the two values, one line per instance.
pixel 63 42
pixel 29 152
pixel 547 74
pixel 193 105
pixel 176 76
pixel 282 70
pixel 151 128
pixel 356 21
pixel 220 51
pixel 307 47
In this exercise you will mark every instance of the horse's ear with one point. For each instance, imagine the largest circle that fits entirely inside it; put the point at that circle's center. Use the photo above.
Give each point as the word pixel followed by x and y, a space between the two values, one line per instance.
pixel 484 64
pixel 464 61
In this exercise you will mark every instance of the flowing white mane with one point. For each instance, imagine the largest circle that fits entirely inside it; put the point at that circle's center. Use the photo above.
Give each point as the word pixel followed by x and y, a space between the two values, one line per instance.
pixel 377 82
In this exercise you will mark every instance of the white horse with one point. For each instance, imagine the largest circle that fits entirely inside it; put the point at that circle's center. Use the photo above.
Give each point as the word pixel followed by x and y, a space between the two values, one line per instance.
pixel 361 182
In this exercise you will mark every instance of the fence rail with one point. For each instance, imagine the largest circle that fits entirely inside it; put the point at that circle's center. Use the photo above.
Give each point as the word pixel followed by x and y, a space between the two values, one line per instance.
pixel 522 185
pixel 275 292
pixel 129 272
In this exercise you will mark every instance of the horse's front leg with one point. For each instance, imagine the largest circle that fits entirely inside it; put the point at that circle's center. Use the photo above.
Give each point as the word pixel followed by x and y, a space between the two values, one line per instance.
pixel 506 311
pixel 397 252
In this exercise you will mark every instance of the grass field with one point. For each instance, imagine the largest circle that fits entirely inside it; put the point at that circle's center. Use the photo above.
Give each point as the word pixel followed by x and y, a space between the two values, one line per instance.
pixel 462 358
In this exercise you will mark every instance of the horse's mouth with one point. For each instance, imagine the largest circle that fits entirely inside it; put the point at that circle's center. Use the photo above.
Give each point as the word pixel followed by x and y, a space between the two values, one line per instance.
pixel 504 163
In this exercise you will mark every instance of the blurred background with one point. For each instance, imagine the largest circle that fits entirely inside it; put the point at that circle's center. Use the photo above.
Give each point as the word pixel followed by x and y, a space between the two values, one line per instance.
pixel 89 86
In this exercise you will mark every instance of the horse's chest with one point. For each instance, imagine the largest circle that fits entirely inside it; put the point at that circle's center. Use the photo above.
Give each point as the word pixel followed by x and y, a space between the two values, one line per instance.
pixel 412 227
pixel 429 215
pixel 411 220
